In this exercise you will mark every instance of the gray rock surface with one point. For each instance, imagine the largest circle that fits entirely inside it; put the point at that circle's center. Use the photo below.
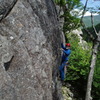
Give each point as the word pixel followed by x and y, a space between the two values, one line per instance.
pixel 82 42
pixel 29 49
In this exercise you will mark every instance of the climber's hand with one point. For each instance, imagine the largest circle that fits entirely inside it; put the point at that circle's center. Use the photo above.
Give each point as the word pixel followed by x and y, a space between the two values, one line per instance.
pixel 61 49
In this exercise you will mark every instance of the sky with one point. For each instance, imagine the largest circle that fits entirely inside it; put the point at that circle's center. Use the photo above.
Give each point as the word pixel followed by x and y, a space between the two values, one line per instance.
pixel 91 3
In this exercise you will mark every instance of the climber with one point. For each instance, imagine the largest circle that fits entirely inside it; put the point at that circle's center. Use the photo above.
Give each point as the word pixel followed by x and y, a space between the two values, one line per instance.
pixel 64 62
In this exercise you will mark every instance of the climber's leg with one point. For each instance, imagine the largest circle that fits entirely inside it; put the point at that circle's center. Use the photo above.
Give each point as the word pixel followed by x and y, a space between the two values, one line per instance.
pixel 61 68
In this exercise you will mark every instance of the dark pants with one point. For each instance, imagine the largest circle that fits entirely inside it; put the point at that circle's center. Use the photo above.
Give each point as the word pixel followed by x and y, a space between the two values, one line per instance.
pixel 61 69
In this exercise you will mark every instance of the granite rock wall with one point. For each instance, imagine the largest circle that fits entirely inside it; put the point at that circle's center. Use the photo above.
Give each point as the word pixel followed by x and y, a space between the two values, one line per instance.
pixel 29 49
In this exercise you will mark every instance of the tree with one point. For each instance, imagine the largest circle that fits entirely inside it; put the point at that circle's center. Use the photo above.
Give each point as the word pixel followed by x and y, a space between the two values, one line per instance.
pixel 71 20
pixel 96 43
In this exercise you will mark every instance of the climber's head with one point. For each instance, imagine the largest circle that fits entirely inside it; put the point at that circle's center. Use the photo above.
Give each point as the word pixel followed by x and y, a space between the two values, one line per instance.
pixel 68 45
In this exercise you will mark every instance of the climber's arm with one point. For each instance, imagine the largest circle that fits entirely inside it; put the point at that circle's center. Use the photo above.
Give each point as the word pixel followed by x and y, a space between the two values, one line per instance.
pixel 62 46
pixel 67 52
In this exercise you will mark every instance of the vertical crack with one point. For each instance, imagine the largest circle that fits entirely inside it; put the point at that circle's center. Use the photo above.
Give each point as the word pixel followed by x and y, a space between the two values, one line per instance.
pixel 6 10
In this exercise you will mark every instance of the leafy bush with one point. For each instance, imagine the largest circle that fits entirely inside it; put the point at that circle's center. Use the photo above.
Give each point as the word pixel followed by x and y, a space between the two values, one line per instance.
pixel 79 60
pixel 78 69
pixel 70 22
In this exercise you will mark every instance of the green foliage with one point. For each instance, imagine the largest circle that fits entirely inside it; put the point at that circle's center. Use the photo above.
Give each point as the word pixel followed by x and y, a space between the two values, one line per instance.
pixel 96 82
pixel 78 69
pixel 61 3
pixel 71 20
pixel 79 60
pixel 73 4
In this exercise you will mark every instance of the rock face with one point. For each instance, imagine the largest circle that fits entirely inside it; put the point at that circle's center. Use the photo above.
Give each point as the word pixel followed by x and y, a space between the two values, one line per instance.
pixel 82 42
pixel 29 49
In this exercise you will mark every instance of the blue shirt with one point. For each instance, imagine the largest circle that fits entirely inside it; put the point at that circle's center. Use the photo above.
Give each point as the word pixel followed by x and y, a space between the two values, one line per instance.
pixel 66 53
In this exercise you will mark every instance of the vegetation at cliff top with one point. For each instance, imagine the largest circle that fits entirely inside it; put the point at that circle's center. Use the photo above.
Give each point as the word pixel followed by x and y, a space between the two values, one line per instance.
pixel 71 20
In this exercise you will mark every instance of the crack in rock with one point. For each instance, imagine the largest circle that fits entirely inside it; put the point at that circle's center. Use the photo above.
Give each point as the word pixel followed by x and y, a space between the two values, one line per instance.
pixel 7 64
pixel 6 7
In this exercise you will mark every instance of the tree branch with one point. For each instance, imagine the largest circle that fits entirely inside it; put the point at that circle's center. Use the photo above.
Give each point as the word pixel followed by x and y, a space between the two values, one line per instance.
pixel 83 11
pixel 92 21
pixel 81 21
